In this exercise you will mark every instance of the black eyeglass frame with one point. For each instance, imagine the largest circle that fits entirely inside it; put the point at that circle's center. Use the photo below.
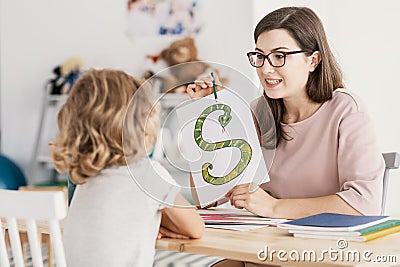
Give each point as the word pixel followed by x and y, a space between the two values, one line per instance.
pixel 249 54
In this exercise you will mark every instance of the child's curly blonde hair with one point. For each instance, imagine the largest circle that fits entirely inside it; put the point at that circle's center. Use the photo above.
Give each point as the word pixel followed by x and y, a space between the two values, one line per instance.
pixel 91 124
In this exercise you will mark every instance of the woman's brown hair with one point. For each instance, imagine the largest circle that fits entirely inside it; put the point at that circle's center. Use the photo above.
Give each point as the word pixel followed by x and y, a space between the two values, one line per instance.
pixel 307 30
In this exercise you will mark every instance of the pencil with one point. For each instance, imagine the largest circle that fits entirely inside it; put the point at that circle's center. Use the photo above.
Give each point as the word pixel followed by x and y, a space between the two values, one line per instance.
pixel 214 86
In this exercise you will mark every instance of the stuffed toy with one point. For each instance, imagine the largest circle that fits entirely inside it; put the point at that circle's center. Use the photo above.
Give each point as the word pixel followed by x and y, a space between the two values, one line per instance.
pixel 181 51
pixel 65 76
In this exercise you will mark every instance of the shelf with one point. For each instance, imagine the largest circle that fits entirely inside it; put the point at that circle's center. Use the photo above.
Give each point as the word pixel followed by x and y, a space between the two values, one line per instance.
pixel 45 160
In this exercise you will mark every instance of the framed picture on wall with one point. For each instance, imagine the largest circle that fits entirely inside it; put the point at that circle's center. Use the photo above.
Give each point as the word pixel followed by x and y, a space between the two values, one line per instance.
pixel 163 17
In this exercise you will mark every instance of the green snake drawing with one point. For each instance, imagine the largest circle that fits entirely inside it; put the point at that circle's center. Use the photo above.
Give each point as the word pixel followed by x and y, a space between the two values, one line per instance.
pixel 244 147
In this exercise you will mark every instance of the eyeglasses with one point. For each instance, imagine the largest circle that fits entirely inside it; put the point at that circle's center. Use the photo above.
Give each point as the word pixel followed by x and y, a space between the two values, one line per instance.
pixel 275 59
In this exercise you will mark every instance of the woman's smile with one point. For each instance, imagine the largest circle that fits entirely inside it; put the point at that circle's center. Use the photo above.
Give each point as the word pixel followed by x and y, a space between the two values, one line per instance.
pixel 272 83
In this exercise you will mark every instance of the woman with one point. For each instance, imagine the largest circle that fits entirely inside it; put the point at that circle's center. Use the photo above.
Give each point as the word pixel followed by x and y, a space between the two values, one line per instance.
pixel 326 158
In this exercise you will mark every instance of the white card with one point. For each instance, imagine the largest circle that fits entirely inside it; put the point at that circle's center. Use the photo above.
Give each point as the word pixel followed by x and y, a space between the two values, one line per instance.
pixel 234 150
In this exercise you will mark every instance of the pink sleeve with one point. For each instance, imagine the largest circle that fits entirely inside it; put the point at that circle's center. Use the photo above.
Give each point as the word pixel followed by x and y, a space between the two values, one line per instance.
pixel 360 164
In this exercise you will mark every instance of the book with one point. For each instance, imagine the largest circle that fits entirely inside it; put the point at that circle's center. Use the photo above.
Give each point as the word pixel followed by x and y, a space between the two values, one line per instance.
pixel 333 222
pixel 363 231
pixel 235 217
pixel 360 238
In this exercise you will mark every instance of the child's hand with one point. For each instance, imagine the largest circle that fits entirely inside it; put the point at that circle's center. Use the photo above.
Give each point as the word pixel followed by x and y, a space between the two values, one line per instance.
pixel 164 232
pixel 203 87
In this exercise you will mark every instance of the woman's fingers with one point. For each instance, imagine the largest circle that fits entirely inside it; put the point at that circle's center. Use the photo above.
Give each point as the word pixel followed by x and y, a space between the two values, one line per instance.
pixel 191 90
pixel 203 86
pixel 239 204
pixel 203 83
pixel 239 189
pixel 239 200
pixel 239 192
pixel 195 90
pixel 238 197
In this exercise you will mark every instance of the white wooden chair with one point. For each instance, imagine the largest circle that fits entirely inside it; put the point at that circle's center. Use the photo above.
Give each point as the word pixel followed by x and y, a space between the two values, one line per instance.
pixel 392 161
pixel 29 207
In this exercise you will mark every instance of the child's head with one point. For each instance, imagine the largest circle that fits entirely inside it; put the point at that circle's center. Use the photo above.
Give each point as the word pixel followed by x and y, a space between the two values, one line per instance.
pixel 91 124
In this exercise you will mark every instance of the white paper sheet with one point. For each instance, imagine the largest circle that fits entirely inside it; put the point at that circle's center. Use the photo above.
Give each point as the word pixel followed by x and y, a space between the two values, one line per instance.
pixel 223 160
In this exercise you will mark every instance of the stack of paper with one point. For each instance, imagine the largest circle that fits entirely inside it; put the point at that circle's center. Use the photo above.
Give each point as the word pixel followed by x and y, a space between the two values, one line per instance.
pixel 235 219
pixel 342 226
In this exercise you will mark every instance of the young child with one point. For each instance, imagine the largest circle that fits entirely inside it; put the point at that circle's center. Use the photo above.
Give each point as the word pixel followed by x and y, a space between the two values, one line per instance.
pixel 115 214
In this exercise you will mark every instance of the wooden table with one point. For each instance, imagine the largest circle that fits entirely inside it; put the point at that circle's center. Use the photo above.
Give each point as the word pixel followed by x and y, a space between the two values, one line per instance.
pixel 245 246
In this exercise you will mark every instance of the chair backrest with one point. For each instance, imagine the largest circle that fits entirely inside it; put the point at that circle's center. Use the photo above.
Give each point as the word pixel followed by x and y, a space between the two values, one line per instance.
pixel 29 207
pixel 392 161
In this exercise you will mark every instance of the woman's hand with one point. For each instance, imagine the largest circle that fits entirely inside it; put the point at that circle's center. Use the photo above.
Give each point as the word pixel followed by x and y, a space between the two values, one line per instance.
pixel 203 87
pixel 252 198
pixel 164 232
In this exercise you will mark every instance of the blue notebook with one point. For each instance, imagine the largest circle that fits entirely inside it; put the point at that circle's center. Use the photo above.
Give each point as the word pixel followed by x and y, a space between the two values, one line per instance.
pixel 333 222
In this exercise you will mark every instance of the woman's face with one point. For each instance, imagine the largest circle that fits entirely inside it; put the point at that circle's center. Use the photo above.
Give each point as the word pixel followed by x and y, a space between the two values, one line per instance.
pixel 288 81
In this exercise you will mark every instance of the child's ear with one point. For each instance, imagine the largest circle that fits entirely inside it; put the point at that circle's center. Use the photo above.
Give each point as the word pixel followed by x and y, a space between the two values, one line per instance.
pixel 315 59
